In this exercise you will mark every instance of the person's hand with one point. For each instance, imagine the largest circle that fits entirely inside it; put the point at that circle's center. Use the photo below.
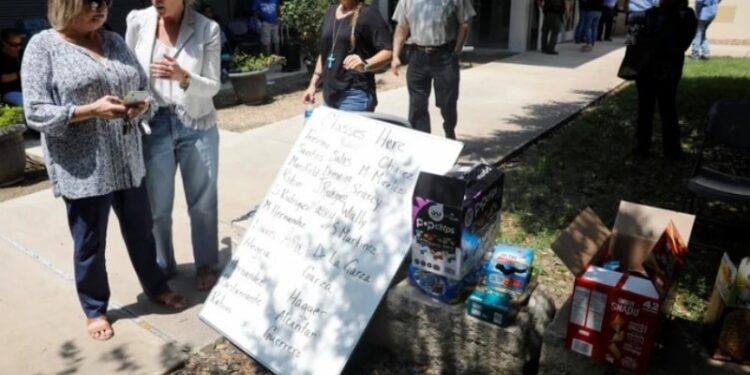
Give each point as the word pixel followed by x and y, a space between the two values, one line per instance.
pixel 136 109
pixel 168 69
pixel 354 62
pixel 395 64
pixel 109 107
pixel 309 96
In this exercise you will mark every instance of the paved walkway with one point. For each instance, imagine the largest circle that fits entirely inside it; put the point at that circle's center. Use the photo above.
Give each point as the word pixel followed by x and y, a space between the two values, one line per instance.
pixel 503 106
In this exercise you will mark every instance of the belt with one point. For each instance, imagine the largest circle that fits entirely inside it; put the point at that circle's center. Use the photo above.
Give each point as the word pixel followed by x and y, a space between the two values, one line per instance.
pixel 432 49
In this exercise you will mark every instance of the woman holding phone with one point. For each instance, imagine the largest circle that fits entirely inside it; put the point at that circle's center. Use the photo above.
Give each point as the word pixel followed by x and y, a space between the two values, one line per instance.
pixel 180 49
pixel 74 78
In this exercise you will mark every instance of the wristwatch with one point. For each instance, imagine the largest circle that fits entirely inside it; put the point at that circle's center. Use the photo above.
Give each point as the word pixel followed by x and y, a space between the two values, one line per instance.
pixel 366 66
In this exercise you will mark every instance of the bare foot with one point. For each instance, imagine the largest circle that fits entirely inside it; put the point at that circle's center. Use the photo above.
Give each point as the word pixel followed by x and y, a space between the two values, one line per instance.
pixel 205 278
pixel 99 328
pixel 171 300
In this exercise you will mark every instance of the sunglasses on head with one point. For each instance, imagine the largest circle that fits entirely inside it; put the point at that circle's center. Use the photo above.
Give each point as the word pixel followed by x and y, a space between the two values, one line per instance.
pixel 95 5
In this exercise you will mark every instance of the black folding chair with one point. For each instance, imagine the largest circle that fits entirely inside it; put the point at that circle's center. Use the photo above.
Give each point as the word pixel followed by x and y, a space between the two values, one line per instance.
pixel 727 131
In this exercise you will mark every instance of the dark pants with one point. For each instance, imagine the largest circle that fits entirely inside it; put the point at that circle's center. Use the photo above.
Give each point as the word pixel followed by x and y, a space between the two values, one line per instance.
pixel 605 24
pixel 440 67
pixel 550 30
pixel 663 92
pixel 87 219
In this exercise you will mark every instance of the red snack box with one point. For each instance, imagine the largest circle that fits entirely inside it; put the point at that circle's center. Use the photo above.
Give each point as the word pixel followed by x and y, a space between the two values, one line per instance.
pixel 632 321
pixel 593 291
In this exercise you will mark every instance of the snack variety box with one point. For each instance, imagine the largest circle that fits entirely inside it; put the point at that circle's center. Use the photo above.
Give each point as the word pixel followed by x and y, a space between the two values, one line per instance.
pixel 509 268
pixel 727 319
pixel 593 291
pixel 455 219
pixel 631 324
pixel 443 288
pixel 491 306
pixel 650 245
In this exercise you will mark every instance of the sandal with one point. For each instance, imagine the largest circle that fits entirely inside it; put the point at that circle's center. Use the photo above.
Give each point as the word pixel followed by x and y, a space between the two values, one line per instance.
pixel 99 328
pixel 170 300
pixel 205 279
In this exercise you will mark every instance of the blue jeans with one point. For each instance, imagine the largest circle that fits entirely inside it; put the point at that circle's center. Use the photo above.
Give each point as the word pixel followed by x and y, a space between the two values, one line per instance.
pixel 700 43
pixel 355 100
pixel 87 219
pixel 13 97
pixel 590 26
pixel 196 152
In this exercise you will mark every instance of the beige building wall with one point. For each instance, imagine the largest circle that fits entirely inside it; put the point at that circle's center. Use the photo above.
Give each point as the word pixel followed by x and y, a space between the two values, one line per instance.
pixel 732 22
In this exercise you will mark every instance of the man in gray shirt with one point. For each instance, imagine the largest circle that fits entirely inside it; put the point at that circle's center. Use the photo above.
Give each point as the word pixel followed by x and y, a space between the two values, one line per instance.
pixel 437 30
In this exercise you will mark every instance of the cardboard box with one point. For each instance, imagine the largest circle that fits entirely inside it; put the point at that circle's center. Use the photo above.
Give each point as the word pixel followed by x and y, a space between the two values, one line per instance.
pixel 455 219
pixel 632 322
pixel 644 240
pixel 593 291
pixel 443 288
pixel 509 268
pixel 491 306
pixel 727 318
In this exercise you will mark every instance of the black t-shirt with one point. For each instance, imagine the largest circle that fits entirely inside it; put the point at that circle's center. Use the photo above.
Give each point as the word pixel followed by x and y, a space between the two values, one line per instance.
pixel 372 34
pixel 9 65
pixel 592 5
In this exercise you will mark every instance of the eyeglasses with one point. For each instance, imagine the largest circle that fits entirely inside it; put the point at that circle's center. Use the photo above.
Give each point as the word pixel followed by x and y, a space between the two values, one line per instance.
pixel 95 5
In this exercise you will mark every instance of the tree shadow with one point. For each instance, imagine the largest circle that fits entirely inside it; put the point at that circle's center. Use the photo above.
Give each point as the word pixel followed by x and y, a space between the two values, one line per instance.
pixel 538 120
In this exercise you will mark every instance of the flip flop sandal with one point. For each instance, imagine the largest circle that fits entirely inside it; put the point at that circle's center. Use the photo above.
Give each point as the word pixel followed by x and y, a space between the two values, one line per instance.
pixel 99 328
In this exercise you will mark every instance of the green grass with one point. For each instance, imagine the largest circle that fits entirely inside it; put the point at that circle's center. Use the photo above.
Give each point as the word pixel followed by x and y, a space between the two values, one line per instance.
pixel 587 163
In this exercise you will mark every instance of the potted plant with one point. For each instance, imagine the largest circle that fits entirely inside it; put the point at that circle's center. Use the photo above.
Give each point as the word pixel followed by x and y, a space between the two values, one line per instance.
pixel 12 151
pixel 249 75
pixel 306 18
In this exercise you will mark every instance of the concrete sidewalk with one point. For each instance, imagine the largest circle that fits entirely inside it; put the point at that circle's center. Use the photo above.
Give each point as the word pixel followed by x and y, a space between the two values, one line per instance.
pixel 503 106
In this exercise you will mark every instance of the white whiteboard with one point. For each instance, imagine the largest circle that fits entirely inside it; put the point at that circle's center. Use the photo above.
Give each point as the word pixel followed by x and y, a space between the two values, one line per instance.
pixel 325 242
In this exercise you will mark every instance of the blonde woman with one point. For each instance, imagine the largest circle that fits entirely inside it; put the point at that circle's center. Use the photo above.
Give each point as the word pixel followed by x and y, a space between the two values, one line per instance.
pixel 180 49
pixel 74 78
pixel 355 41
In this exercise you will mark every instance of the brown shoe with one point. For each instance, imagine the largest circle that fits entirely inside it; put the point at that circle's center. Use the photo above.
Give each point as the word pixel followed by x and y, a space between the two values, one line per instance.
pixel 99 328
pixel 205 279
pixel 170 300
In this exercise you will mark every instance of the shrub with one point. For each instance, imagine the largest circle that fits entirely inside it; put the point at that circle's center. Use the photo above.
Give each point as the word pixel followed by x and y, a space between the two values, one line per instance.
pixel 245 63
pixel 306 17
pixel 10 115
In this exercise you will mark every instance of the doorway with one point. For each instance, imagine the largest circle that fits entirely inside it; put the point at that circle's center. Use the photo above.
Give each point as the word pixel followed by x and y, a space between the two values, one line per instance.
pixel 491 26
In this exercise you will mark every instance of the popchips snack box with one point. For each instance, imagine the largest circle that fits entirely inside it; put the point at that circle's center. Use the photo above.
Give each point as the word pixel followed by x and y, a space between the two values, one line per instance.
pixel 455 219
pixel 645 241
pixel 443 288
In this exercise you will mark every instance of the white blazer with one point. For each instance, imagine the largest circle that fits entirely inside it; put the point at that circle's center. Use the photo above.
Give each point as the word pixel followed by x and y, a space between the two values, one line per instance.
pixel 198 53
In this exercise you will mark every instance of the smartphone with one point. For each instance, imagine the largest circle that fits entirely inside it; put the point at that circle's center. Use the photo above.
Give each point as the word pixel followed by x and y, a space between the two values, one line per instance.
pixel 135 97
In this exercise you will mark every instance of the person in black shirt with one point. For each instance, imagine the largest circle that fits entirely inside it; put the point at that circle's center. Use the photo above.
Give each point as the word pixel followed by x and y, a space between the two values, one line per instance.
pixel 10 67
pixel 554 10
pixel 355 41
pixel 660 76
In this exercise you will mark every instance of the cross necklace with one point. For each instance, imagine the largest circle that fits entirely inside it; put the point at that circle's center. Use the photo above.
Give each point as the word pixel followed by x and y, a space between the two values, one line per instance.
pixel 336 28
